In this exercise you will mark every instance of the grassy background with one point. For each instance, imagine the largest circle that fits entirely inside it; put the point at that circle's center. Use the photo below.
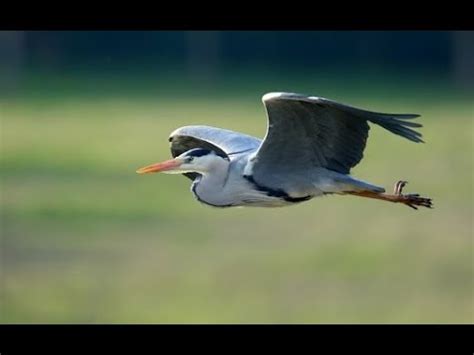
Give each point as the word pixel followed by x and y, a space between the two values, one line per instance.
pixel 85 239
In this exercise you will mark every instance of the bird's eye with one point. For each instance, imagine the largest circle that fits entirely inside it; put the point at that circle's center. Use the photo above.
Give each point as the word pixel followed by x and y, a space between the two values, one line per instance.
pixel 190 159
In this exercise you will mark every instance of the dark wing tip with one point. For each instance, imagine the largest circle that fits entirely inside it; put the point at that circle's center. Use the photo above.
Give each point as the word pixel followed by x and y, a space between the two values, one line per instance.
pixel 394 122
pixel 405 116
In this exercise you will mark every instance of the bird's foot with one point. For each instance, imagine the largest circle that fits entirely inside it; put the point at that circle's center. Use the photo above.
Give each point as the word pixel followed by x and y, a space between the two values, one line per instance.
pixel 411 200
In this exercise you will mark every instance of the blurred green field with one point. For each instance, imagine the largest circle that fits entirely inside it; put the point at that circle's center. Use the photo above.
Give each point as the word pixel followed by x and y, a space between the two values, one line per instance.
pixel 86 240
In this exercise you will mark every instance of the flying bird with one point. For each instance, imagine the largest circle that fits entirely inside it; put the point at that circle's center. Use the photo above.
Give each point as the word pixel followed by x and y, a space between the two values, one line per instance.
pixel 309 148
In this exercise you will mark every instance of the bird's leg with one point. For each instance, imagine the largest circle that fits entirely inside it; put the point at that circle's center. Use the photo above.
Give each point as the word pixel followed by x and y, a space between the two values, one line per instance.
pixel 411 200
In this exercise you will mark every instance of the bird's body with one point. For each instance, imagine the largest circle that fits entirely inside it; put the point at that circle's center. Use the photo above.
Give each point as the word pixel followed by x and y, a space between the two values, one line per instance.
pixel 228 186
pixel 310 146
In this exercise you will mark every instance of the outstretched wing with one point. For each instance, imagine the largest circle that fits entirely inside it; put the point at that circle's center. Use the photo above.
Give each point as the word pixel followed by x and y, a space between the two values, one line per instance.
pixel 224 142
pixel 306 131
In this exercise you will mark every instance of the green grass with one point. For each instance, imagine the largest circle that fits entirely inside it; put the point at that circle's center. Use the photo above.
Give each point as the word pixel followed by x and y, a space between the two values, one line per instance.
pixel 85 239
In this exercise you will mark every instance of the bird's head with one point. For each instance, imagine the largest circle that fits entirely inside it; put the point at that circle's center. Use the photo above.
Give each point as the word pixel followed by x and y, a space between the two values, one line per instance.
pixel 196 160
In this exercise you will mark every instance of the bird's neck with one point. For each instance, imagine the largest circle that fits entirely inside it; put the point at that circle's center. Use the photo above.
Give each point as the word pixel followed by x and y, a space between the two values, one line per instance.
pixel 209 188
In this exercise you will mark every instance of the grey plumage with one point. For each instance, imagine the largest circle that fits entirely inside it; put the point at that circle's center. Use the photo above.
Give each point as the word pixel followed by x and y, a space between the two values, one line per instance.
pixel 222 141
pixel 310 146
pixel 317 132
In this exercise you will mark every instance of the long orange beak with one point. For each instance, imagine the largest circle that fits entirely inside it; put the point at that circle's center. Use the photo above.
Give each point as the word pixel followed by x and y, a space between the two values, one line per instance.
pixel 159 167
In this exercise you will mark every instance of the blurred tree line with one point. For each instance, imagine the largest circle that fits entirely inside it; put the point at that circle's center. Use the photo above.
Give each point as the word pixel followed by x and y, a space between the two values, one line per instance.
pixel 449 54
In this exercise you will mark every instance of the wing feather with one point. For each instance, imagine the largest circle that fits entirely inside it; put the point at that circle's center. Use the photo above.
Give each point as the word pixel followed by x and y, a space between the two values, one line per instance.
pixel 224 142
pixel 305 132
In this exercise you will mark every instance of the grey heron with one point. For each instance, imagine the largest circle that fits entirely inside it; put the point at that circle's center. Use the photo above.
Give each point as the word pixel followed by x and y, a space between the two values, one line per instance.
pixel 310 146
